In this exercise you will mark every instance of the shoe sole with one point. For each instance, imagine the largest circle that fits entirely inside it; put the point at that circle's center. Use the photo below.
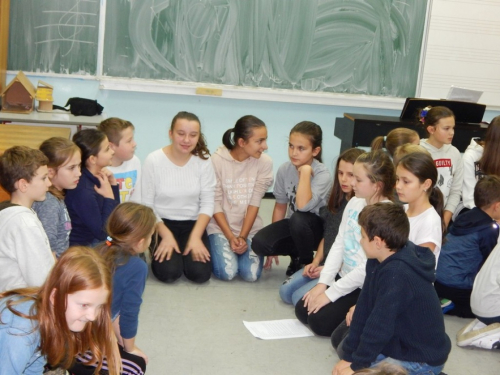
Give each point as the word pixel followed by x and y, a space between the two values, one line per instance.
pixel 465 339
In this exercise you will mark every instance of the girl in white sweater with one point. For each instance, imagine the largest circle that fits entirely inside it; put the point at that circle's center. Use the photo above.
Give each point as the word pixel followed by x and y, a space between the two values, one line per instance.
pixel 439 123
pixel 178 182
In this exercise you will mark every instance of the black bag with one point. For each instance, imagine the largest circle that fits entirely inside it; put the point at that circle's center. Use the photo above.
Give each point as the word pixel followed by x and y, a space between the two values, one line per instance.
pixel 82 107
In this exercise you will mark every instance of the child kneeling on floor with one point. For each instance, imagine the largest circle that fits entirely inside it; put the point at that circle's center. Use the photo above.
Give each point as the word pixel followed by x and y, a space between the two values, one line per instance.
pixel 398 316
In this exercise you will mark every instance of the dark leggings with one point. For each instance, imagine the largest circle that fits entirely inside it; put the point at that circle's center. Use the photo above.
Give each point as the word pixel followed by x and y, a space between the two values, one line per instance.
pixel 338 336
pixel 298 237
pixel 459 297
pixel 132 365
pixel 329 317
pixel 170 270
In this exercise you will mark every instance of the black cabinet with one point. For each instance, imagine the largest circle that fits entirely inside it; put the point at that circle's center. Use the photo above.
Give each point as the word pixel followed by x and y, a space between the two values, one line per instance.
pixel 359 130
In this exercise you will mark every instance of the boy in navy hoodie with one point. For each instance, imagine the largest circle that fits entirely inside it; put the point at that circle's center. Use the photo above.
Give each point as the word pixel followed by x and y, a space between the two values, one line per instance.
pixel 398 316
pixel 469 241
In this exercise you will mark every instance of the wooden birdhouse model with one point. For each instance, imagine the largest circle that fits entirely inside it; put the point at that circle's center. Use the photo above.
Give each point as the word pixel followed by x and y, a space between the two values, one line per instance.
pixel 19 95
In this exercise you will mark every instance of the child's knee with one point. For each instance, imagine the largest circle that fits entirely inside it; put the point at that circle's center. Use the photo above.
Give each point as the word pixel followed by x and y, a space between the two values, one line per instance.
pixel 250 276
pixel 166 271
pixel 168 277
pixel 286 293
pixel 199 275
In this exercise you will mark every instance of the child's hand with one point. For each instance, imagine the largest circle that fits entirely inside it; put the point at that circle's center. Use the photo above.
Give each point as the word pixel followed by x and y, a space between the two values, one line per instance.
pixel 165 248
pixel 197 249
pixel 305 169
pixel 239 245
pixel 312 270
pixel 313 293
pixel 269 262
pixel 317 303
pixel 109 175
pixel 105 188
pixel 349 315
pixel 342 368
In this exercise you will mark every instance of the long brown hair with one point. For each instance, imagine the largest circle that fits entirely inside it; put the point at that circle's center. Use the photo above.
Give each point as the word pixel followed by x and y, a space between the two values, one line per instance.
pixel 58 150
pixel 422 166
pixel 395 138
pixel 490 160
pixel 337 196
pixel 201 149
pixel 79 268
pixel 128 224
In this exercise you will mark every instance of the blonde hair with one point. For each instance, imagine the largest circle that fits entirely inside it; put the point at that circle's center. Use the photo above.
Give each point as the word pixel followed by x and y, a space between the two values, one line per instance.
pixel 407 149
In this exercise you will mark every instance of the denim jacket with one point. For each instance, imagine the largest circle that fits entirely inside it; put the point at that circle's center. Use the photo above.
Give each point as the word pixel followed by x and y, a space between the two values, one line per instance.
pixel 19 341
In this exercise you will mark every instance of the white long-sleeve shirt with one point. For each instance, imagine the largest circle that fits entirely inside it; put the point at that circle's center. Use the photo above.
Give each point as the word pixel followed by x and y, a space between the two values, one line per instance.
pixel 178 193
pixel 346 256
pixel 25 255
pixel 472 172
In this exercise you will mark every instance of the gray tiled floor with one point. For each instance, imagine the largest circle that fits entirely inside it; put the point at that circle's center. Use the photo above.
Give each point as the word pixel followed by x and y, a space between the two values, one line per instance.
pixel 187 328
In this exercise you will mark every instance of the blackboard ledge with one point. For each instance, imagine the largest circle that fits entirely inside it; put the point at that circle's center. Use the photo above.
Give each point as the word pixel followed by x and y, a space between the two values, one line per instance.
pixel 252 93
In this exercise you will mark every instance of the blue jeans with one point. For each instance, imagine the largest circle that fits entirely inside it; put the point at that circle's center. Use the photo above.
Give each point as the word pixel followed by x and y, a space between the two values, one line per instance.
pixel 413 368
pixel 227 264
pixel 294 288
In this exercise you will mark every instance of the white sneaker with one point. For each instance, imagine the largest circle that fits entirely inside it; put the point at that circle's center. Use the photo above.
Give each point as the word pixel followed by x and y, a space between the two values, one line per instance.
pixel 491 341
pixel 477 330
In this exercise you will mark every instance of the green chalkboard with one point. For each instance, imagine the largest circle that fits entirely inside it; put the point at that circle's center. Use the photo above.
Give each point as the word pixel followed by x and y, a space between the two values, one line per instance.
pixel 53 36
pixel 345 46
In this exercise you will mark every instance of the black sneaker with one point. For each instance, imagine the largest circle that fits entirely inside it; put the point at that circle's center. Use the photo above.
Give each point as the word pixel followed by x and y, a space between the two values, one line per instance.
pixel 293 267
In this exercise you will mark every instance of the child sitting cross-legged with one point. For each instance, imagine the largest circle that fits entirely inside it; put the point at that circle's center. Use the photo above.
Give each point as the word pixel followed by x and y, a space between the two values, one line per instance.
pixel 398 316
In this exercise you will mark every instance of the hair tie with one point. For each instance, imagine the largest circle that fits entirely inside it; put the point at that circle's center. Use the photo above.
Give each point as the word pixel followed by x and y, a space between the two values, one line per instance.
pixel 423 113
pixel 108 241
pixel 383 142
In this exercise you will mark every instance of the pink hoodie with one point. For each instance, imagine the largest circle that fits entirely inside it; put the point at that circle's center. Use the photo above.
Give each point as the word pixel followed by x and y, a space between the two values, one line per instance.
pixel 239 184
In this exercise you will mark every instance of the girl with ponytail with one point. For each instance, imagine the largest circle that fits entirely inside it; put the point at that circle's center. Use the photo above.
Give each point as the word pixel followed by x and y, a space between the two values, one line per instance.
pixel 130 228
pixel 244 173
pixel 394 139
pixel 416 176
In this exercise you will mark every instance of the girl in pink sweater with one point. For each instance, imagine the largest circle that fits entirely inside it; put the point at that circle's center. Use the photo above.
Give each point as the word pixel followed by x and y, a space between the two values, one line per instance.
pixel 244 173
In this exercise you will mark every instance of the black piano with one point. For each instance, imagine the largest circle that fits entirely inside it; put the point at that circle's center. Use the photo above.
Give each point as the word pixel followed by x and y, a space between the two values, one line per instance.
pixel 359 130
